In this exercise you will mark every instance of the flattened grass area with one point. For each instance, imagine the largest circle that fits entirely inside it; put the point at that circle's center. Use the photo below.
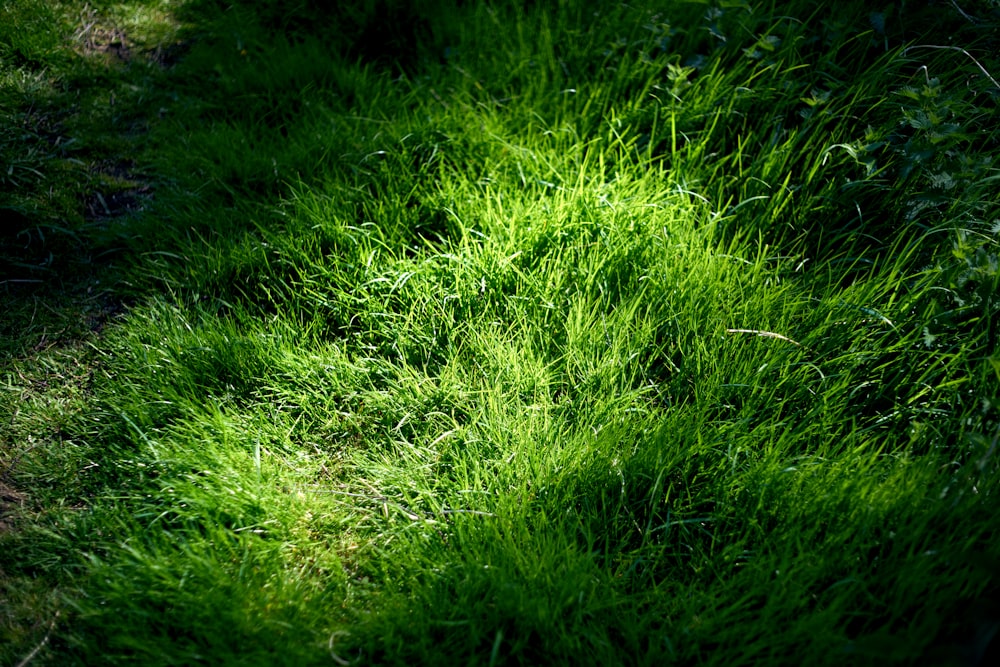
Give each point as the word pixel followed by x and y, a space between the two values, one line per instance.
pixel 499 332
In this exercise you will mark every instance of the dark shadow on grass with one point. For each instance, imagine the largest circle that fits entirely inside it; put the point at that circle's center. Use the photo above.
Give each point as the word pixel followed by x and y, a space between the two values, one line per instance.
pixel 75 131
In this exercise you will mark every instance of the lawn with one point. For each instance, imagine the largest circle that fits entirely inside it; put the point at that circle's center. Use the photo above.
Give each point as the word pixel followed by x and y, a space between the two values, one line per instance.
pixel 499 332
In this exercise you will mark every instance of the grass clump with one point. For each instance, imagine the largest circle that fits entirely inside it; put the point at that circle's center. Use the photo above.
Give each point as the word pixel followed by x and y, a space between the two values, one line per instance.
pixel 537 334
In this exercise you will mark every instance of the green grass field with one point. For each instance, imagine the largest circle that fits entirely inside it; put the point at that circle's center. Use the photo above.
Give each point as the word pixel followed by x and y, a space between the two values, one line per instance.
pixel 504 332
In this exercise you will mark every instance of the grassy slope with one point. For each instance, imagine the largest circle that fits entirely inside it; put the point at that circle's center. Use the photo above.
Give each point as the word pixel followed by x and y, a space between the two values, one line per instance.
pixel 533 335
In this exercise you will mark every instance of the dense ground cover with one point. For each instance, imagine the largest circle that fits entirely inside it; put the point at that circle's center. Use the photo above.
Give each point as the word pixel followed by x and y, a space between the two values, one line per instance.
pixel 499 333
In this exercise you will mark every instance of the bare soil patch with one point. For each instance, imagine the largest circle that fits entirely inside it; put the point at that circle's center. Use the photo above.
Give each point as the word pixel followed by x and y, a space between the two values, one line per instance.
pixel 11 500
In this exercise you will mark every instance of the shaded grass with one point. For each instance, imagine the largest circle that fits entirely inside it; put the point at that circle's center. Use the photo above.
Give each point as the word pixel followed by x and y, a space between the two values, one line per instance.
pixel 537 336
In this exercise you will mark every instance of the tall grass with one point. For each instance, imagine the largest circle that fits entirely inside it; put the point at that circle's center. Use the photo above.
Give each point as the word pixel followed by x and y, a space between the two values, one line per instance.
pixel 542 333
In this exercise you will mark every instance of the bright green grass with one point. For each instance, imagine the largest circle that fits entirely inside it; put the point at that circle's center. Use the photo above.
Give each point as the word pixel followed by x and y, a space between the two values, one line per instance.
pixel 537 335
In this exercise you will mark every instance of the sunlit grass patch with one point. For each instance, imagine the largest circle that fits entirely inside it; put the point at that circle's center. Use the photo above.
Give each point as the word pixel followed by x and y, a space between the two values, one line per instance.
pixel 536 334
